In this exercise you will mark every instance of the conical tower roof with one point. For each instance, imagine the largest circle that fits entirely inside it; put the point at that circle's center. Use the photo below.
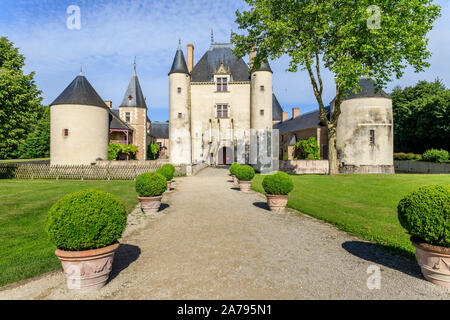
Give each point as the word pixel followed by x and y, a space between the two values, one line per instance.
pixel 133 96
pixel 81 92
pixel 179 63
pixel 265 66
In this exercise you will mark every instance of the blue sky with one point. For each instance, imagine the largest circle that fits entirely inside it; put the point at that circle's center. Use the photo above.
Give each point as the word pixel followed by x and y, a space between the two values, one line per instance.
pixel 114 31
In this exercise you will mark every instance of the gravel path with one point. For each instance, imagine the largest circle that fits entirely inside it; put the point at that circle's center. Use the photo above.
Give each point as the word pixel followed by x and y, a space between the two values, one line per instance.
pixel 211 241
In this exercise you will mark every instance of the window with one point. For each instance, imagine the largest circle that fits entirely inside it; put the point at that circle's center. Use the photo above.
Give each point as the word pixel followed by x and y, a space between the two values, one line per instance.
pixel 372 137
pixel 180 115
pixel 66 132
pixel 179 90
pixel 261 112
pixel 261 88
pixel 222 84
pixel 222 111
pixel 127 117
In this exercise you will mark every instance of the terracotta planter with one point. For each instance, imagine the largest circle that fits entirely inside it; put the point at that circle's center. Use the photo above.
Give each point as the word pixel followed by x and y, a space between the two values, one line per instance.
pixel 245 185
pixel 87 270
pixel 277 203
pixel 150 205
pixel 169 184
pixel 434 262
pixel 235 180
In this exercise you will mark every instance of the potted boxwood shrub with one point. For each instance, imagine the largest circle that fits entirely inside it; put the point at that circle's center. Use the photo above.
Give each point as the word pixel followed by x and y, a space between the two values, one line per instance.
pixel 233 169
pixel 150 186
pixel 85 227
pixel 168 173
pixel 245 175
pixel 425 214
pixel 277 187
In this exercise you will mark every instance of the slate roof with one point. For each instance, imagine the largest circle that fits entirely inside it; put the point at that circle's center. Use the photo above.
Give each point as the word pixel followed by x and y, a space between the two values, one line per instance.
pixel 368 90
pixel 179 63
pixel 115 122
pixel 81 92
pixel 277 111
pixel 265 66
pixel 291 142
pixel 217 53
pixel 159 130
pixel 134 92
pixel 306 121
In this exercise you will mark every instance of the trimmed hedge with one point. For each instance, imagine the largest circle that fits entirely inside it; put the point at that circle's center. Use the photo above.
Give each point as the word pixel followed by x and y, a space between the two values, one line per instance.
pixel 425 214
pixel 233 168
pixel 434 155
pixel 170 167
pixel 167 172
pixel 279 183
pixel 84 220
pixel 407 156
pixel 245 173
pixel 151 184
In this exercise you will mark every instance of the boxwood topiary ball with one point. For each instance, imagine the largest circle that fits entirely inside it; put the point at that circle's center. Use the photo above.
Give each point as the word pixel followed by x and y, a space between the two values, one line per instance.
pixel 233 168
pixel 425 214
pixel 85 220
pixel 279 183
pixel 170 167
pixel 166 172
pixel 151 184
pixel 245 173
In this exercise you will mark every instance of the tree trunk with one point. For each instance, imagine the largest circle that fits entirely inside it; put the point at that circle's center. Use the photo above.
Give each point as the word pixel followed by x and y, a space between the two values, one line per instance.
pixel 332 151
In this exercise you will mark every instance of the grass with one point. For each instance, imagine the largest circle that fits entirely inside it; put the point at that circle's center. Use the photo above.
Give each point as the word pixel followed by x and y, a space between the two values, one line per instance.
pixel 362 205
pixel 23 160
pixel 25 250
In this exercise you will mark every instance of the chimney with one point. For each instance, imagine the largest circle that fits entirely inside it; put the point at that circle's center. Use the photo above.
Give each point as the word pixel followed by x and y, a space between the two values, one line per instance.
pixel 252 57
pixel 285 116
pixel 190 57
pixel 108 103
pixel 295 113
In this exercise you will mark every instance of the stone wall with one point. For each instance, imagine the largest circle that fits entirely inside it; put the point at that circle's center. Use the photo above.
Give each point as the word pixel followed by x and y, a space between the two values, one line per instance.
pixel 305 166
pixel 132 163
pixel 406 166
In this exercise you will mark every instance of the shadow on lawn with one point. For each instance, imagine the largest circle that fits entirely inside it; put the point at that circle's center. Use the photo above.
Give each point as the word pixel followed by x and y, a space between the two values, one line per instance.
pixel 382 255
pixel 124 256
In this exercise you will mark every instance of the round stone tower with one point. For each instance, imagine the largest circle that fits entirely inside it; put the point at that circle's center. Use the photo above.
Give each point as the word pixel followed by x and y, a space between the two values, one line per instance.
pixel 79 125
pixel 365 132
pixel 179 111
pixel 261 116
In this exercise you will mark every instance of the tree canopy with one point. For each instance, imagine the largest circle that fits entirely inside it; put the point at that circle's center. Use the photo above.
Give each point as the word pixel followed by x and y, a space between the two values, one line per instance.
pixel 20 100
pixel 421 117
pixel 351 38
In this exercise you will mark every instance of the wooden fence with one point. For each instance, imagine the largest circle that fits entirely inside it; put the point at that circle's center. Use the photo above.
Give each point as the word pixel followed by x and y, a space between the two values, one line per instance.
pixel 70 172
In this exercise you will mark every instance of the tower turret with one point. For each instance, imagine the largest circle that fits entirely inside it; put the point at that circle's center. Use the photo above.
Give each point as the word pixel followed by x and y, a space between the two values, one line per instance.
pixel 261 112
pixel 79 125
pixel 133 110
pixel 179 111
pixel 364 134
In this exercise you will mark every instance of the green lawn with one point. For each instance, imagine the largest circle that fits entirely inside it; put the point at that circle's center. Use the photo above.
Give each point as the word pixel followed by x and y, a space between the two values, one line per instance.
pixel 23 160
pixel 25 250
pixel 362 205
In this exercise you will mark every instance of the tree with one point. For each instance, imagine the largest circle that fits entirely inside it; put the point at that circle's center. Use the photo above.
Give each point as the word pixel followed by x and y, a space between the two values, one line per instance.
pixel 351 38
pixel 421 117
pixel 37 143
pixel 19 100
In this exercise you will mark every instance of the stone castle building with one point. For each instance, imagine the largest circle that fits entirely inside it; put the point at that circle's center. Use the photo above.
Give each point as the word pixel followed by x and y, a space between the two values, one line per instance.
pixel 82 124
pixel 365 133
pixel 214 103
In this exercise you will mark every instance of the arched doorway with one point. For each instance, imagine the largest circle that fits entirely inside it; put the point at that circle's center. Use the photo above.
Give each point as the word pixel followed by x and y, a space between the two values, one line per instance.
pixel 225 156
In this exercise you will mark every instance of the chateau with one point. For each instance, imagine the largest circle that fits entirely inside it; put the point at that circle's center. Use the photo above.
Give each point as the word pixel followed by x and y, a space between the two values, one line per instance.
pixel 215 103
pixel 220 110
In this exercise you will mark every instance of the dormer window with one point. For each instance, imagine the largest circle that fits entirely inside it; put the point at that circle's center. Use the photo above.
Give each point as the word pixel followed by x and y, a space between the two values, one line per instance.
pixel 222 84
